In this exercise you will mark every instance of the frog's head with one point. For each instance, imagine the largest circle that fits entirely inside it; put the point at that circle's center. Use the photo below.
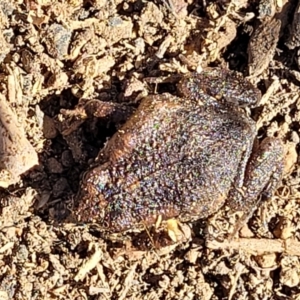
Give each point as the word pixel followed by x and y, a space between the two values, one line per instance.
pixel 221 84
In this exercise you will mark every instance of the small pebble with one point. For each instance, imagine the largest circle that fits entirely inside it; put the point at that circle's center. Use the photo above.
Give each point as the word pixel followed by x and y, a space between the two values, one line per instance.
pixel 49 129
pixel 60 186
pixel 54 166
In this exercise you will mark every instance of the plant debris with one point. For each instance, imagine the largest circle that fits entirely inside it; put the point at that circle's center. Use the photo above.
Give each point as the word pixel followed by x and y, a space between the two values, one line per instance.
pixel 59 55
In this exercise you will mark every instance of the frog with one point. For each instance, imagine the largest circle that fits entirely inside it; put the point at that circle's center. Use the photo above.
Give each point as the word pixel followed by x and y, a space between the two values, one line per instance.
pixel 183 156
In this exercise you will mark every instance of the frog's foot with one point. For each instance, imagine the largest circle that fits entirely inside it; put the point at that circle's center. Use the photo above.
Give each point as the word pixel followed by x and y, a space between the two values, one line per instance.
pixel 115 112
pixel 263 173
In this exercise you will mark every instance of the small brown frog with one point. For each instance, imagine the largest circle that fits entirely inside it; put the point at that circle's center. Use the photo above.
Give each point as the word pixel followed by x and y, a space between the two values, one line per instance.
pixel 182 156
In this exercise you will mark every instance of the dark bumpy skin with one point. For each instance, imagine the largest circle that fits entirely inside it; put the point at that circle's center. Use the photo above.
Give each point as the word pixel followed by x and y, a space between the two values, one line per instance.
pixel 182 156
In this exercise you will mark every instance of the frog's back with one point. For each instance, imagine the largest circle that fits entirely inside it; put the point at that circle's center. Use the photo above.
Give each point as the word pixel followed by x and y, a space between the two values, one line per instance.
pixel 173 157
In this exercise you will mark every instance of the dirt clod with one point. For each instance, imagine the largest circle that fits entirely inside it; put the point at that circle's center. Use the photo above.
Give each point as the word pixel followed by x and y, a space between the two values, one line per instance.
pixel 57 56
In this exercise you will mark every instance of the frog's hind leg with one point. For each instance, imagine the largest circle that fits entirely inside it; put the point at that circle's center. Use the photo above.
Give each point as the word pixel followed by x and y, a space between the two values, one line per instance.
pixel 263 173
pixel 278 162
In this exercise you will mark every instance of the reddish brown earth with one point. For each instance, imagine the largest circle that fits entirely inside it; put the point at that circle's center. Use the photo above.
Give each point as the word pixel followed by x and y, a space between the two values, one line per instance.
pixel 55 57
